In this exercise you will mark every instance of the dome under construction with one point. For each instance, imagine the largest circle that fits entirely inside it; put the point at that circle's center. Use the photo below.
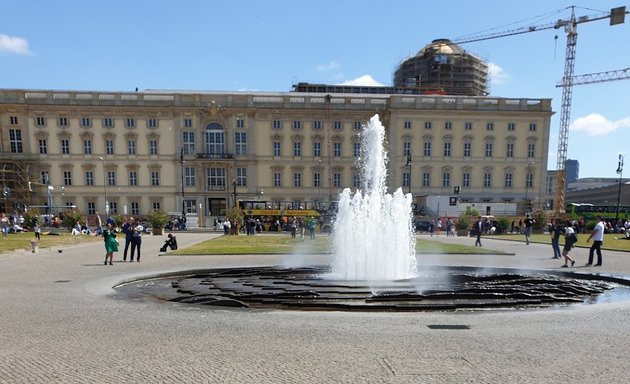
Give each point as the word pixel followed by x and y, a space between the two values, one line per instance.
pixel 444 67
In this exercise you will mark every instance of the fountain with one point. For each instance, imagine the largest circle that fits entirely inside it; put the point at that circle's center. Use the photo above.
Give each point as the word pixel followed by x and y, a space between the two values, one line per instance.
pixel 374 238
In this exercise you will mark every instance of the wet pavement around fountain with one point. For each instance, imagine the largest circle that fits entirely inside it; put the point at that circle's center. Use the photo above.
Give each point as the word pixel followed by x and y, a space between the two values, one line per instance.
pixel 61 322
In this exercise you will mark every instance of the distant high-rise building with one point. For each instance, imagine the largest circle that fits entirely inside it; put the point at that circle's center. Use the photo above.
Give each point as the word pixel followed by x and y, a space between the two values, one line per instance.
pixel 572 169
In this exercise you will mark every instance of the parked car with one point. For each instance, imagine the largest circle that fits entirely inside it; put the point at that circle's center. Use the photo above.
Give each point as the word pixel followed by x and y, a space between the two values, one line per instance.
pixel 422 225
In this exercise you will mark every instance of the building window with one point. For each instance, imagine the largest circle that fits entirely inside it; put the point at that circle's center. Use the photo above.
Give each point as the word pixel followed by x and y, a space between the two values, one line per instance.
pixel 317 149
pixel 336 149
pixel 529 180
pixel 133 178
pixel 62 121
pixel 91 208
pixel 532 127
pixel 447 149
pixel 489 126
pixel 15 140
pixel 130 122
pixel 406 179
pixel 189 176
pixel 43 146
pixel 317 125
pixel 487 180
pixel 188 143
pixel 337 180
pixel 240 143
pixel 108 122
pixel 446 179
pixel 276 124
pixel 113 207
pixel 488 152
pixel 508 180
pixel 40 121
pixel 511 126
pixel 356 180
pixel 155 178
pixel 240 123
pixel 407 125
pixel 241 177
pixel 357 125
pixel 468 126
pixel 188 122
pixel 67 178
pixel 156 206
pixel 87 147
pixel 406 149
pixel 426 179
pixel 427 125
pixel 466 179
pixel 297 124
pixel 13 120
pixel 65 146
pixel 297 149
pixel 337 125
pixel 467 148
pixel 85 122
pixel 152 123
pixel 109 147
pixel 89 177
pixel 153 147
pixel 277 179
pixel 317 179
pixel 297 179
pixel 531 150
pixel 356 149
pixel 214 139
pixel 427 149
pixel 135 208
pixel 276 149
pixel 111 178
pixel 131 147
pixel 509 150
pixel 215 179
pixel 448 126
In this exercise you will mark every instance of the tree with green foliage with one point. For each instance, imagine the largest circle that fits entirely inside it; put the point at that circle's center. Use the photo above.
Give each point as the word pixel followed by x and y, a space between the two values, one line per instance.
pixel 71 217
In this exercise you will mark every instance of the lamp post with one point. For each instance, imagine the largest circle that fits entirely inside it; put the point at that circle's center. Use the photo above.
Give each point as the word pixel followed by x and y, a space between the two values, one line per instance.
pixel 319 183
pixel 181 165
pixel 105 187
pixel 234 184
pixel 620 173
pixel 409 166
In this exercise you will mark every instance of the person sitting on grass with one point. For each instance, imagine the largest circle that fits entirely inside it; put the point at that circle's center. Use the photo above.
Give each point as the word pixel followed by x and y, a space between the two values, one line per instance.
pixel 171 242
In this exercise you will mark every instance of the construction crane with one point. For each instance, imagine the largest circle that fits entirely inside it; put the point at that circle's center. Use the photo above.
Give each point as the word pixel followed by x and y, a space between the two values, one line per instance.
pixel 616 16
pixel 599 77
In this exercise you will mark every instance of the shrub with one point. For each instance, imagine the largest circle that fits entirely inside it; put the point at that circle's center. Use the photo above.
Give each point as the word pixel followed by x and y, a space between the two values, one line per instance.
pixel 71 217
pixel 157 218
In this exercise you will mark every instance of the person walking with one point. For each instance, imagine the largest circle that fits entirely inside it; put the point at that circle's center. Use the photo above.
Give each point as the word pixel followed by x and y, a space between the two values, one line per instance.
pixel 598 238
pixel 570 238
pixel 127 230
pixel 557 229
pixel 111 243
pixel 478 230
pixel 38 231
pixel 136 243
pixel 529 222
pixel 311 228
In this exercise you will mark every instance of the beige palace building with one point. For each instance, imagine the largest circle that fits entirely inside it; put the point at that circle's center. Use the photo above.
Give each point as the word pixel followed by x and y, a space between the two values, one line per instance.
pixel 131 152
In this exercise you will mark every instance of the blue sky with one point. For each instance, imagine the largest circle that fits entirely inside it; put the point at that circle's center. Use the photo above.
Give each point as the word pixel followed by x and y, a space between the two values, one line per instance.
pixel 247 45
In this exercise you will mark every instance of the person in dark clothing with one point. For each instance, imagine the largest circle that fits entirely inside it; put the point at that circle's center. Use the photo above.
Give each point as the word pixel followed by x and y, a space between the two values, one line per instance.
pixel 556 231
pixel 127 230
pixel 478 230
pixel 171 242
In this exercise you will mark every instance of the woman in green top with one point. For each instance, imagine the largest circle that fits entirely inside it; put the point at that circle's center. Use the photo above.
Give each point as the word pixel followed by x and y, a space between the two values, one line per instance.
pixel 111 243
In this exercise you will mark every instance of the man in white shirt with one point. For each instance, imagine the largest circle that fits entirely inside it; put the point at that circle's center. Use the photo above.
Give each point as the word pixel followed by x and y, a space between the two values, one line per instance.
pixel 598 238
pixel 136 241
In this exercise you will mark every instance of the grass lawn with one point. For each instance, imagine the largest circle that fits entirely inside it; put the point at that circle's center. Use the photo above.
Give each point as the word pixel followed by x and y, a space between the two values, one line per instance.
pixel 283 243
pixel 613 242
pixel 23 240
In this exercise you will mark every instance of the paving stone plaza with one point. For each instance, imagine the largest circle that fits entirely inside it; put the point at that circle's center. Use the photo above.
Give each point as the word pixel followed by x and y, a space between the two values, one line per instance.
pixel 61 322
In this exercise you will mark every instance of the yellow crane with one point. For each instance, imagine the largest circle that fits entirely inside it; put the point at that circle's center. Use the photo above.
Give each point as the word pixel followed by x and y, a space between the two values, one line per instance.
pixel 616 16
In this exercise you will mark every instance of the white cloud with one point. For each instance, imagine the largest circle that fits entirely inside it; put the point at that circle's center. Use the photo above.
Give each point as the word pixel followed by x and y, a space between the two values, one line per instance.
pixel 328 67
pixel 366 80
pixel 13 45
pixel 597 125
pixel 497 74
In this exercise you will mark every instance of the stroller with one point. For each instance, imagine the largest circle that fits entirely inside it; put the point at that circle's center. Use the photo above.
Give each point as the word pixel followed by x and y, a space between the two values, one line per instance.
pixel 171 242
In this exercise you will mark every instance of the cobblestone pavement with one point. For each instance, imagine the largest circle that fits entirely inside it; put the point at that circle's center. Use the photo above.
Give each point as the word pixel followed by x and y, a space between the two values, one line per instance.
pixel 61 322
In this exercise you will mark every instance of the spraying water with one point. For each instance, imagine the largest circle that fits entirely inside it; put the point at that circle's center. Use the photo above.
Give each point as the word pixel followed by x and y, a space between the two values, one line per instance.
pixel 374 237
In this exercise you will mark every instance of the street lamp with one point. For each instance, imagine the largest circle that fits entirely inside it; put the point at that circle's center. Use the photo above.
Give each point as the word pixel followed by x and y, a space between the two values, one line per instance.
pixel 234 184
pixel 181 165
pixel 620 173
pixel 105 187
pixel 319 183
pixel 409 166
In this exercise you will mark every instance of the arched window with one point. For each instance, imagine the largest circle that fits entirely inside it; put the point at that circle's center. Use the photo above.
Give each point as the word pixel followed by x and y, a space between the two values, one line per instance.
pixel 214 139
